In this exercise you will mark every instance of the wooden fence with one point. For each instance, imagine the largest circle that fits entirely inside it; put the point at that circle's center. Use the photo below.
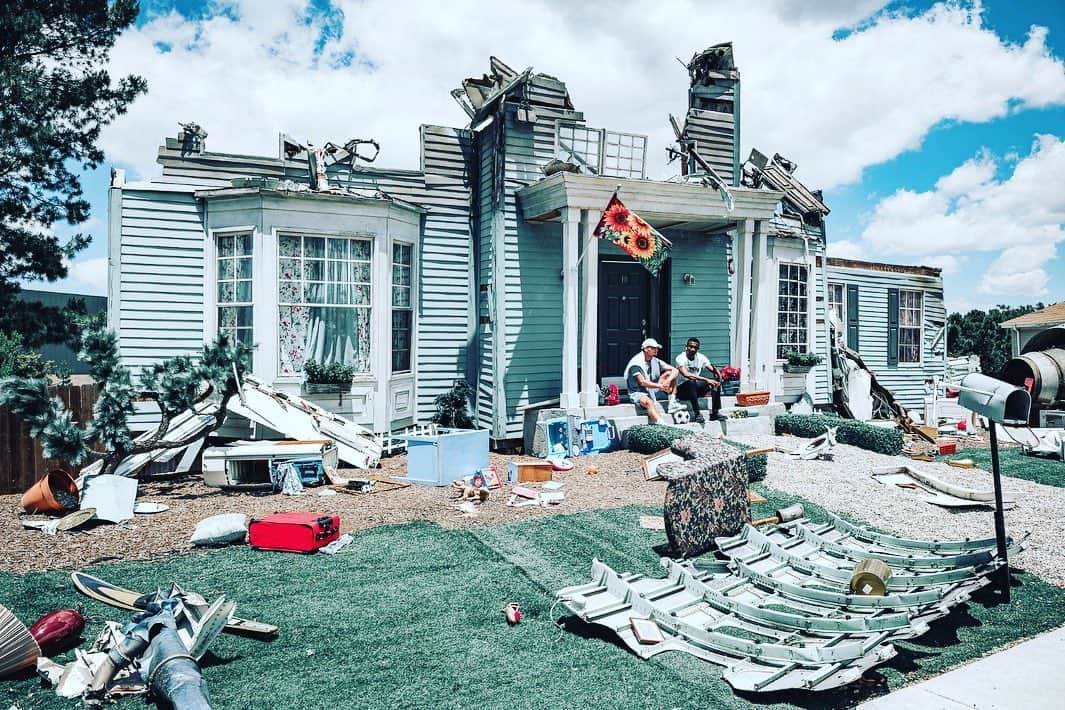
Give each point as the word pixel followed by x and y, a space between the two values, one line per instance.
pixel 21 459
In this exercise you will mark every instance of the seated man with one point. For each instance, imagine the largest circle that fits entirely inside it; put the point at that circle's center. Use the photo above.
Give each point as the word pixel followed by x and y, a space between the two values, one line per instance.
pixel 647 377
pixel 692 364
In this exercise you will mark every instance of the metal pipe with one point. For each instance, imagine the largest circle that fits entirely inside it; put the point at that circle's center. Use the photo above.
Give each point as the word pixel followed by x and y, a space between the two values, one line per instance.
pixel 1000 520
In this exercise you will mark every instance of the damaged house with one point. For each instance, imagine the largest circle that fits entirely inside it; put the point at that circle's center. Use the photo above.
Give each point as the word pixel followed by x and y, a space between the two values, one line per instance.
pixel 480 265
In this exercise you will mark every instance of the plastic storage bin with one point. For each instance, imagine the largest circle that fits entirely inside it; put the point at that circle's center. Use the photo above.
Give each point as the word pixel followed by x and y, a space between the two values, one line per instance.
pixel 437 460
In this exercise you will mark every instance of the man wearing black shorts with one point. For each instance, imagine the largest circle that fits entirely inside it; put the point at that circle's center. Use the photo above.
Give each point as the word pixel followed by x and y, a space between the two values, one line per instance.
pixel 693 364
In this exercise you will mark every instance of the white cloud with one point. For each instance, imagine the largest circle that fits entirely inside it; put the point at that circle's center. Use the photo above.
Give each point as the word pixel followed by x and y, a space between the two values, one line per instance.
pixel 847 249
pixel 88 276
pixel 970 210
pixel 1019 272
pixel 949 263
pixel 864 98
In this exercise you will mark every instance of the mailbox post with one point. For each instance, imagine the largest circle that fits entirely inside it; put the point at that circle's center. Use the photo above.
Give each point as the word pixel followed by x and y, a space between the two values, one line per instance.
pixel 1001 403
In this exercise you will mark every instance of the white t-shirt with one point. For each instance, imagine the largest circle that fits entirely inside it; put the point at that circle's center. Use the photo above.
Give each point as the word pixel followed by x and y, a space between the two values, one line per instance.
pixel 651 370
pixel 694 366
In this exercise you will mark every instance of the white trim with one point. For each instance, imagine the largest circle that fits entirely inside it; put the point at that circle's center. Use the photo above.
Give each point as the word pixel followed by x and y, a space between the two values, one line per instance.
pixel 571 217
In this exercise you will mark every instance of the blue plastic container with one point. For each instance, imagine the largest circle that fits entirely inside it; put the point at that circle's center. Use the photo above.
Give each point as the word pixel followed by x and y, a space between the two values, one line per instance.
pixel 596 436
pixel 448 456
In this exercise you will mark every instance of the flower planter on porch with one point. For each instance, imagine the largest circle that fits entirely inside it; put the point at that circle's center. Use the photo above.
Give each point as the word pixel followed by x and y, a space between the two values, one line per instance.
pixel 325 388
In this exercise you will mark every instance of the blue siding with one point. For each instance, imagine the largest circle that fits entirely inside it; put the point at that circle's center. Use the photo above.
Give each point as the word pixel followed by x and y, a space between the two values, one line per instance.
pixel 906 381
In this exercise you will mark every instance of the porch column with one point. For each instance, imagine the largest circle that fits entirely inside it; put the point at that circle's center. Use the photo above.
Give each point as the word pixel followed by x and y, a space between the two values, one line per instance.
pixel 745 259
pixel 571 216
pixel 763 310
pixel 590 335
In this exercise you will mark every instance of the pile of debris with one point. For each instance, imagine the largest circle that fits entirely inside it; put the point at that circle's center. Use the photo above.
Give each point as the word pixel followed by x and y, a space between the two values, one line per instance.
pixel 156 653
pixel 801 605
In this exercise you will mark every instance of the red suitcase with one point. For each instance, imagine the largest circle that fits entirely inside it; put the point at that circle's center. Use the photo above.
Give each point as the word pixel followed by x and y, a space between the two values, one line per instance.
pixel 294 532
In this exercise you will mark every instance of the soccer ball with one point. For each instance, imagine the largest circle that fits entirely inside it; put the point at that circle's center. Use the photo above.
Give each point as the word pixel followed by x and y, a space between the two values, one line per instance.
pixel 682 417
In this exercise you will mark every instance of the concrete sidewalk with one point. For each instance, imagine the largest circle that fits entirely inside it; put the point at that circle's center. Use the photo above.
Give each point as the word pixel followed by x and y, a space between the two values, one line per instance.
pixel 1026 676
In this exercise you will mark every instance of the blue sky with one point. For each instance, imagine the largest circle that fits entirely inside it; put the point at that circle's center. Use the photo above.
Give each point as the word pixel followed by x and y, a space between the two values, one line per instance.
pixel 936 130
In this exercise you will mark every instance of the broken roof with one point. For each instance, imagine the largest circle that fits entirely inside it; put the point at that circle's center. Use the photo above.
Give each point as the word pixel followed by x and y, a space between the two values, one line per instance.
pixel 1053 314
pixel 889 268
pixel 777 173
pixel 478 96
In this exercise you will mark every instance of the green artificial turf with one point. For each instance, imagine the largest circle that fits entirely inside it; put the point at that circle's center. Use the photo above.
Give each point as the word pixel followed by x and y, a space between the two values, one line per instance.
pixel 1014 463
pixel 410 616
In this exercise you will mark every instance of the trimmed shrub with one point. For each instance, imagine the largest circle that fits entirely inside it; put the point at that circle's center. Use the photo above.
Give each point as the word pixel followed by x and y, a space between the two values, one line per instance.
pixel 849 431
pixel 651 438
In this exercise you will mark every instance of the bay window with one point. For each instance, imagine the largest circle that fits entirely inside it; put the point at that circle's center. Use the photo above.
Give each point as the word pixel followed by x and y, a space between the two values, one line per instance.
pixel 402 308
pixel 323 301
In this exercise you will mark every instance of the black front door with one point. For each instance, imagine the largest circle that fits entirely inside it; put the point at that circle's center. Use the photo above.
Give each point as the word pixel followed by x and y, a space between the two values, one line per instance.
pixel 630 309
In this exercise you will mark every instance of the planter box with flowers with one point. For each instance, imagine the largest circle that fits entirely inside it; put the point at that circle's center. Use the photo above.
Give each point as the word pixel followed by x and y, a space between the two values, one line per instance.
pixel 334 378
pixel 730 380
pixel 793 379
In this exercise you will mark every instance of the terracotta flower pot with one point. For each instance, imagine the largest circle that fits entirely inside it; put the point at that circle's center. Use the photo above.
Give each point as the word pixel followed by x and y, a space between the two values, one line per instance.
pixel 41 497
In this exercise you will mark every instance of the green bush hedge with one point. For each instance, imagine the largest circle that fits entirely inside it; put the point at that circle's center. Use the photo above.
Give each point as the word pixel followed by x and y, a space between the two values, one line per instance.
pixel 849 431
pixel 651 438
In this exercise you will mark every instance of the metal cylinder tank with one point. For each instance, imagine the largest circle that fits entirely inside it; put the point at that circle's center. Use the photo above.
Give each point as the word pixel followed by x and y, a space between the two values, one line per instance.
pixel 1046 369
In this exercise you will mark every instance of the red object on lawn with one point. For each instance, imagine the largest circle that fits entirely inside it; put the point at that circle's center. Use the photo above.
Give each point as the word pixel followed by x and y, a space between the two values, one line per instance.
pixel 57 629
pixel 294 532
pixel 513 613
pixel 947 447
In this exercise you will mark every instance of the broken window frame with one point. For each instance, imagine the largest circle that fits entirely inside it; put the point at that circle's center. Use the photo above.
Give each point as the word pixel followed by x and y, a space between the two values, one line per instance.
pixel 616 153
pixel 911 335
pixel 839 306
pixel 240 271
pixel 331 288
pixel 793 306
pixel 402 300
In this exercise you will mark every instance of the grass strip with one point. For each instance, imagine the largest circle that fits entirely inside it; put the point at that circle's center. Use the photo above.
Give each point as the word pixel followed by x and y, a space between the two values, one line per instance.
pixel 410 616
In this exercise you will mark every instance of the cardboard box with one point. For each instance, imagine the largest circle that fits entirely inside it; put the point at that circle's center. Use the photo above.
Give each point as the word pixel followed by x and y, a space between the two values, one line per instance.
pixel 529 471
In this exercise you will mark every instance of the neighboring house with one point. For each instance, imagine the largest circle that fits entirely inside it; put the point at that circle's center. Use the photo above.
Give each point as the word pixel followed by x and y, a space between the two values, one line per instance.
pixel 58 352
pixel 1037 331
pixel 894 316
pixel 480 264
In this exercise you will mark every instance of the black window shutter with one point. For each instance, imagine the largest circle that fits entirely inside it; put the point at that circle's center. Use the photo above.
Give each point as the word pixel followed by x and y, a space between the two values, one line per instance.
pixel 852 316
pixel 892 327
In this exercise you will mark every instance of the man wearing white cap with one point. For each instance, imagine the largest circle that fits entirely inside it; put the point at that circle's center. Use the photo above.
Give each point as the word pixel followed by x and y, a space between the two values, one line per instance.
pixel 646 376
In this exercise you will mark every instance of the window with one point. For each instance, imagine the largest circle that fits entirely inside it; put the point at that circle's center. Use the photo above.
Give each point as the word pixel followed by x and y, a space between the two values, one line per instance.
pixel 910 319
pixel 402 307
pixel 792 302
pixel 580 145
pixel 234 286
pixel 837 303
pixel 323 295
pixel 623 155
pixel 602 152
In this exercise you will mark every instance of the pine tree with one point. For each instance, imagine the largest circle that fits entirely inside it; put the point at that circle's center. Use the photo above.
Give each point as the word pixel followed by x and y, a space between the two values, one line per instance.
pixel 55 96
pixel 176 385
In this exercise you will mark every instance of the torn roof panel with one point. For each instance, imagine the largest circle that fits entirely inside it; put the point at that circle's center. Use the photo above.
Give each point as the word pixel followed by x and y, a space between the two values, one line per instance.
pixel 777 173
pixel 479 95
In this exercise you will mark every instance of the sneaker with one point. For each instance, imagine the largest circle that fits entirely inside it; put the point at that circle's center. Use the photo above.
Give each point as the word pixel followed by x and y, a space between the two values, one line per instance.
pixel 699 419
pixel 717 416
pixel 674 406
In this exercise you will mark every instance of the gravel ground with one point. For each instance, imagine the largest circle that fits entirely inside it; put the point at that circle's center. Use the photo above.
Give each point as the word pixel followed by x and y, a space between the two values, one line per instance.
pixel 842 485
pixel 619 482
pixel 845 485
